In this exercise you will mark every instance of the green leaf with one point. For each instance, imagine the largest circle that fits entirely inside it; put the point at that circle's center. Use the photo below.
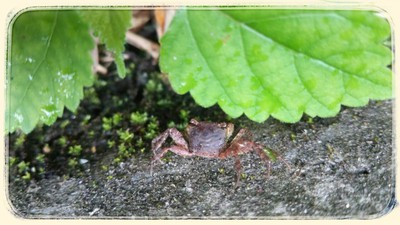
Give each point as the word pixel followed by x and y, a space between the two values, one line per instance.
pixel 49 65
pixel 278 62
pixel 110 26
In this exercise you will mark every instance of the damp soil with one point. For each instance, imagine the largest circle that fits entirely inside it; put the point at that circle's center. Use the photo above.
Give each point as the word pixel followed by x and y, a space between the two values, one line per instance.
pixel 340 167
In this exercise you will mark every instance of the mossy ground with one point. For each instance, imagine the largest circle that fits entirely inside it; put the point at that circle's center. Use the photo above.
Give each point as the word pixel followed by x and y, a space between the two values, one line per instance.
pixel 339 168
pixel 117 116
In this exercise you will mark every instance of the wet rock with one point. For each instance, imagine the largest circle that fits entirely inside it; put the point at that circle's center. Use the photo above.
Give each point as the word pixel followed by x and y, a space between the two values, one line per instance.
pixel 340 167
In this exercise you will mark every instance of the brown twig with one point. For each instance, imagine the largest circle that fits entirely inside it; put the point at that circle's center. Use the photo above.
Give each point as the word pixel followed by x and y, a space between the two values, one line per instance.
pixel 144 44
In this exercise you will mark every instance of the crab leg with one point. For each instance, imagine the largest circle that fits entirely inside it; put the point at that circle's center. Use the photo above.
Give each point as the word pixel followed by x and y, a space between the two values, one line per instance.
pixel 246 146
pixel 177 149
pixel 181 147
pixel 264 157
pixel 242 143
pixel 176 136
pixel 238 145
pixel 267 158
pixel 238 168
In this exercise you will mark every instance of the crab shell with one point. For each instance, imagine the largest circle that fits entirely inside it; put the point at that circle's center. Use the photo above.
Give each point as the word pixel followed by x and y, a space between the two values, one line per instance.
pixel 208 139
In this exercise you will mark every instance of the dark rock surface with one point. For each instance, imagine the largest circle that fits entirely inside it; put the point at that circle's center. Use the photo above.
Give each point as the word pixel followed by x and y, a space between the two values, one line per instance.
pixel 341 167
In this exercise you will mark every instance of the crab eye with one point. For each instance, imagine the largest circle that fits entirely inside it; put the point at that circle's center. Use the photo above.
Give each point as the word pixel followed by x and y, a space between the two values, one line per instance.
pixel 193 121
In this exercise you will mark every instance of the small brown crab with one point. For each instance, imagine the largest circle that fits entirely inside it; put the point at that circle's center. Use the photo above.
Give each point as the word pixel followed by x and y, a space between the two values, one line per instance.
pixel 211 140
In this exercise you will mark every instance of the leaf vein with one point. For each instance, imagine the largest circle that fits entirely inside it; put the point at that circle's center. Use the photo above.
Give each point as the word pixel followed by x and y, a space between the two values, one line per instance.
pixel 205 60
pixel 257 76
pixel 324 63
pixel 307 88
pixel 41 61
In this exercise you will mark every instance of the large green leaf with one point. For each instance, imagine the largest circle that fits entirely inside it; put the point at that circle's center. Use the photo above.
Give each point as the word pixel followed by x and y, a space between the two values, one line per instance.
pixel 49 64
pixel 110 26
pixel 278 62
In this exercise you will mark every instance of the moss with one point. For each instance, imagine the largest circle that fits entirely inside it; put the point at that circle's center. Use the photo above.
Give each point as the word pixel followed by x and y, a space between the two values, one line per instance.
pixel 138 118
pixel 64 124
pixel 20 140
pixel 26 176
pixel 40 158
pixel 117 160
pixel 125 136
pixel 75 150
pixel 293 137
pixel 107 123
pixel 86 120
pixel 91 95
pixel 110 143
pixel 12 161
pixel 117 117
pixel 23 166
pixel 63 141
pixel 104 168
pixel 92 134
